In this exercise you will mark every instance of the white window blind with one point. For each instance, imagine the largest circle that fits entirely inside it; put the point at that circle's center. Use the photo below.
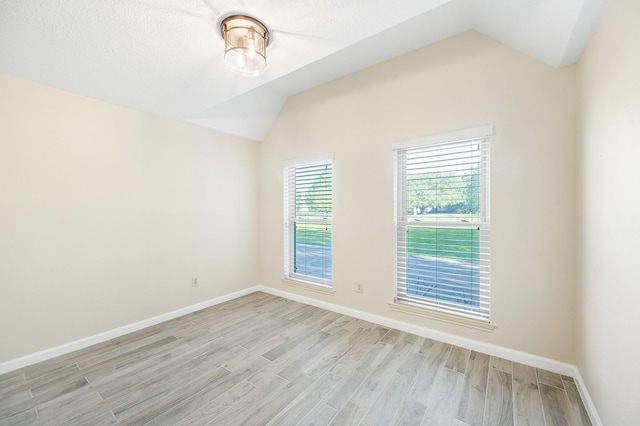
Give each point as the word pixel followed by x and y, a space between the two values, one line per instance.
pixel 308 198
pixel 442 226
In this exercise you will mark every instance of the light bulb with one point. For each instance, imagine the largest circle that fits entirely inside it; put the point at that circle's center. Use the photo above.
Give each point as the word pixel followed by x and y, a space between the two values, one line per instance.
pixel 251 45
pixel 241 60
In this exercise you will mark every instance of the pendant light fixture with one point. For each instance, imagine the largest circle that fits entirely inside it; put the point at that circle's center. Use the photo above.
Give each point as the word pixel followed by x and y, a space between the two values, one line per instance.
pixel 245 44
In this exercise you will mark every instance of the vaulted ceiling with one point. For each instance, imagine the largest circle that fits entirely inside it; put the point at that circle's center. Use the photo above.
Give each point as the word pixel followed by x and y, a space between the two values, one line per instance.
pixel 166 56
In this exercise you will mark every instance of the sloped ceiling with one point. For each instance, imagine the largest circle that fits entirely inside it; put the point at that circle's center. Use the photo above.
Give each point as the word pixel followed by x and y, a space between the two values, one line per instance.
pixel 166 56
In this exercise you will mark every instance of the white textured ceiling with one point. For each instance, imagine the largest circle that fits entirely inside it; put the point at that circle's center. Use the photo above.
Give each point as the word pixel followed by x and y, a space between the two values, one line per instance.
pixel 166 56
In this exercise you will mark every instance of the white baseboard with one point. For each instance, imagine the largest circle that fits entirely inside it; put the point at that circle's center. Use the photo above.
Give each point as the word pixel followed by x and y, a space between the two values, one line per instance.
pixel 487 348
pixel 66 348
pixel 586 398
pixel 475 345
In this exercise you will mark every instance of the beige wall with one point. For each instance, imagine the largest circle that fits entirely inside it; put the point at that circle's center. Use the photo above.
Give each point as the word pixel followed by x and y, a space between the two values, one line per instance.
pixel 106 214
pixel 608 314
pixel 463 82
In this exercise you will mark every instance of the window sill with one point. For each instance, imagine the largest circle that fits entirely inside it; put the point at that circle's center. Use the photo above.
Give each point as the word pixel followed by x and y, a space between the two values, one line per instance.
pixel 442 316
pixel 319 288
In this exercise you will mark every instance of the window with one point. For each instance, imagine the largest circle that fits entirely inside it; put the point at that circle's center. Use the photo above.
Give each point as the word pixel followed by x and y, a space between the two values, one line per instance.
pixel 442 223
pixel 308 209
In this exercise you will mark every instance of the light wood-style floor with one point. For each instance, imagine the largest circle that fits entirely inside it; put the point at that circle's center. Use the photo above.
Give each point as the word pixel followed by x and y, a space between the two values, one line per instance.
pixel 262 359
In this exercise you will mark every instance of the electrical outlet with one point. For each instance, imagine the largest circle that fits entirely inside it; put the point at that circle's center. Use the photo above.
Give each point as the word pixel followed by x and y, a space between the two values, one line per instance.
pixel 359 288
pixel 194 282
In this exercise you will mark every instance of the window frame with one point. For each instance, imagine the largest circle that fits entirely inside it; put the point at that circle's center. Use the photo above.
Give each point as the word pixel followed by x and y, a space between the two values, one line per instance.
pixel 439 309
pixel 290 219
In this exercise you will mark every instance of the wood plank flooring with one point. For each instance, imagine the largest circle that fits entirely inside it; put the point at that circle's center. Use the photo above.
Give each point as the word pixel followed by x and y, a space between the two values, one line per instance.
pixel 262 359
